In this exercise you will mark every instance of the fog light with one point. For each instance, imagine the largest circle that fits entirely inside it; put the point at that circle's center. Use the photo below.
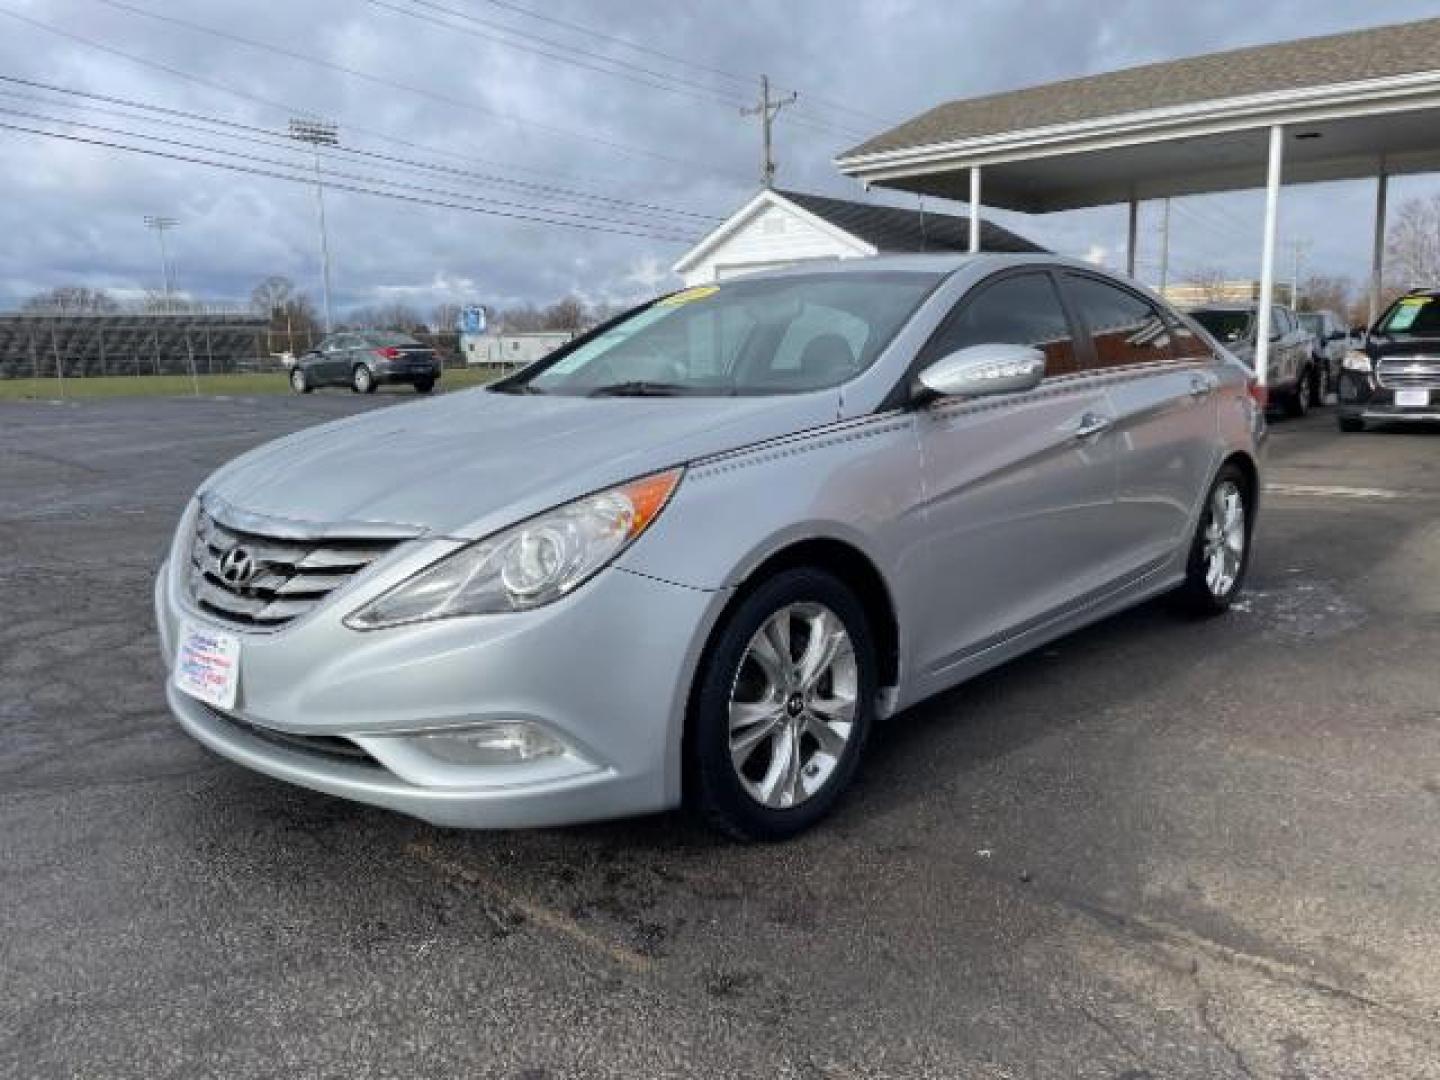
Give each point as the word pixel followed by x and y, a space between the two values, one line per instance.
pixel 505 743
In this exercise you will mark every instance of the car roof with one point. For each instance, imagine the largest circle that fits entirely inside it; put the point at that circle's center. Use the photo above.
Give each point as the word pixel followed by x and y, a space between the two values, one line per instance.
pixel 947 263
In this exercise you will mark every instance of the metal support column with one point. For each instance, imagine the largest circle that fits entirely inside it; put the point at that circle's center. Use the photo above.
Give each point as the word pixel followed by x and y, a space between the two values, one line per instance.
pixel 1267 252
pixel 974 209
pixel 1131 238
pixel 1377 257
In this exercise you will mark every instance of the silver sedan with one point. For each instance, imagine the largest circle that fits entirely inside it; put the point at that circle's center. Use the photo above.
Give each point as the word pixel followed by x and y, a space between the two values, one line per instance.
pixel 697 554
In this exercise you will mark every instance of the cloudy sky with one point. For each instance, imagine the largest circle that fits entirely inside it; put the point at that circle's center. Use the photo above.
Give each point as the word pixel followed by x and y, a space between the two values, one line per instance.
pixel 616 122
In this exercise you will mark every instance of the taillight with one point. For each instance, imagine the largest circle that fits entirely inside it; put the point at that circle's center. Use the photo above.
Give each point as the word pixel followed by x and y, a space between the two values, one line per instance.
pixel 389 352
pixel 1260 392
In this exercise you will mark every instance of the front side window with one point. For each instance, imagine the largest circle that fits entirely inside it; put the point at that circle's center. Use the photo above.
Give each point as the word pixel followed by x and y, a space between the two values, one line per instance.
pixel 1021 309
pixel 1126 328
pixel 1412 316
pixel 1228 325
pixel 750 336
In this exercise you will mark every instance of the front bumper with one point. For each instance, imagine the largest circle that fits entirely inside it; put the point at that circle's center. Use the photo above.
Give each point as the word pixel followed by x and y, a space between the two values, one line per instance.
pixel 1362 398
pixel 606 671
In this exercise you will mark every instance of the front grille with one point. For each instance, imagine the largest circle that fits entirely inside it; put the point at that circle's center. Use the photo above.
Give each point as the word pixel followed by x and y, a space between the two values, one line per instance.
pixel 1409 373
pixel 327 746
pixel 268 581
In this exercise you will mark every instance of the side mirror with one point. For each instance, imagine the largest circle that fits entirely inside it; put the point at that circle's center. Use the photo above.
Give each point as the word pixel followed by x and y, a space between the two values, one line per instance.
pixel 985 369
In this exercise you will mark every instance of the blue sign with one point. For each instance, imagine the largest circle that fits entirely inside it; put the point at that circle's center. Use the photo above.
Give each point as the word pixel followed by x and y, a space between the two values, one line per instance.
pixel 472 320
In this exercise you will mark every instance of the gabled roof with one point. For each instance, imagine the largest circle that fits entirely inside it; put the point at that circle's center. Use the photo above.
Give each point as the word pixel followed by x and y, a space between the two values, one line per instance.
pixel 1355 57
pixel 868 228
pixel 898 230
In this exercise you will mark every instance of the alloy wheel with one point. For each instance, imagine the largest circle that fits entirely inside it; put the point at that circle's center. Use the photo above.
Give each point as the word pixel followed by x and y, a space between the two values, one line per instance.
pixel 792 705
pixel 1224 550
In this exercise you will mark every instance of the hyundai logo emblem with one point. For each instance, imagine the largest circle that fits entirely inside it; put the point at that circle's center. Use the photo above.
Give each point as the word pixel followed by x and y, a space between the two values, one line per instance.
pixel 238 568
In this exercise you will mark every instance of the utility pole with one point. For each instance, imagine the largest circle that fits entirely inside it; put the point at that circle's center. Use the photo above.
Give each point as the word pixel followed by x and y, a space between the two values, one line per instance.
pixel 319 133
pixel 160 225
pixel 767 110
pixel 1165 249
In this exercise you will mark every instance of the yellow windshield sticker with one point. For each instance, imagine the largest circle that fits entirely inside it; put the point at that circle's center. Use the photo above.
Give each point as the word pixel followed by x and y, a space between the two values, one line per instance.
pixel 688 296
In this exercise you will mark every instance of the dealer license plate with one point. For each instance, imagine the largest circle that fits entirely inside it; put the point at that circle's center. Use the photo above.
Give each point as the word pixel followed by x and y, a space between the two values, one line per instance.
pixel 1412 399
pixel 207 665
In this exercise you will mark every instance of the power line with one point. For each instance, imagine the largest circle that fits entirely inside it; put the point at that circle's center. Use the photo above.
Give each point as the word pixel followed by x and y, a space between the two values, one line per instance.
pixel 632 72
pixel 340 186
pixel 743 80
pixel 288 108
pixel 382 80
pixel 336 173
pixel 260 136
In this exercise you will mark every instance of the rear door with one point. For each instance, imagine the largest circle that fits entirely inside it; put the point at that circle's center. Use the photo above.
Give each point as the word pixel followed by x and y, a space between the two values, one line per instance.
pixel 1018 487
pixel 1162 390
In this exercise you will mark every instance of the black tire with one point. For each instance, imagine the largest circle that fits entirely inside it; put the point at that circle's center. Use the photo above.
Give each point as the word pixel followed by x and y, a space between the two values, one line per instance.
pixel 1319 384
pixel 1351 423
pixel 362 380
pixel 299 382
pixel 1297 403
pixel 713 783
pixel 424 386
pixel 1196 594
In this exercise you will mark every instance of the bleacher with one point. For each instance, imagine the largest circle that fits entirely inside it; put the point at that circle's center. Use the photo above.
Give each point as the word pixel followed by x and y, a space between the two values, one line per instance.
pixel 32 344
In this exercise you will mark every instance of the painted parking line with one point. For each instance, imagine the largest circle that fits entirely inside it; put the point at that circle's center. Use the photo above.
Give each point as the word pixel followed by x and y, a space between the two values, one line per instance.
pixel 1328 491
pixel 557 922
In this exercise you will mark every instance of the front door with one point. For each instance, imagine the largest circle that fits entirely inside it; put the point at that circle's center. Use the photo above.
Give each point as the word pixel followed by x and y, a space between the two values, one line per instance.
pixel 1162 390
pixel 1018 487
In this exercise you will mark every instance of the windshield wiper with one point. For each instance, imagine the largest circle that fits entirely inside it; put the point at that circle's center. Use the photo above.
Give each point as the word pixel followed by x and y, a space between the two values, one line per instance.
pixel 517 388
pixel 639 388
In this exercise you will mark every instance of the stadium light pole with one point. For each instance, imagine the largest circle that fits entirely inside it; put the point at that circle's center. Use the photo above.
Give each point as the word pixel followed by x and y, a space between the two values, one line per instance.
pixel 319 133
pixel 161 225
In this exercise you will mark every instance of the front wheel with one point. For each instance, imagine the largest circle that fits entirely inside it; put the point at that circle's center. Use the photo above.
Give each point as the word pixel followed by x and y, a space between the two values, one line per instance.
pixel 782 707
pixel 1220 552
pixel 1351 423
pixel 362 381
pixel 298 382
pixel 1298 404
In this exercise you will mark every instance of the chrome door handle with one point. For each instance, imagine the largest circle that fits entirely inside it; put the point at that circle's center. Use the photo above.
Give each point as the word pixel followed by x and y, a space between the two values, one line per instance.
pixel 1092 424
pixel 1200 387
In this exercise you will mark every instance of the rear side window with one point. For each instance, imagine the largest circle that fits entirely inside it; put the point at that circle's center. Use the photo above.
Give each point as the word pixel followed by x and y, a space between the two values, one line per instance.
pixel 1126 328
pixel 1022 309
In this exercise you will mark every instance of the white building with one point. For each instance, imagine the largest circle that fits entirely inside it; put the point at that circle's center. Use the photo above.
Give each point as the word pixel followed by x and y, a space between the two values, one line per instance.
pixel 781 228
pixel 513 350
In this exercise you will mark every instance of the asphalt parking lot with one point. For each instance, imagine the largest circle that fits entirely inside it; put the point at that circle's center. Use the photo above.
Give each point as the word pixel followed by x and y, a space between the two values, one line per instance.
pixel 1160 848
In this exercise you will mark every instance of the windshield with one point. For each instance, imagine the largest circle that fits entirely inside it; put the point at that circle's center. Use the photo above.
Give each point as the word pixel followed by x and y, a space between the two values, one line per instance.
pixel 1412 316
pixel 1312 322
pixel 763 336
pixel 1224 325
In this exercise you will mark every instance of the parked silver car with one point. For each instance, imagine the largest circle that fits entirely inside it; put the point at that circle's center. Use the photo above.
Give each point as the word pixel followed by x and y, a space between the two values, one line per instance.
pixel 700 552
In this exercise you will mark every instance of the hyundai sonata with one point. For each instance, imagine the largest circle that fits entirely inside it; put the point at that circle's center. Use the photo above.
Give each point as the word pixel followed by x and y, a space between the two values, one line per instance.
pixel 697 554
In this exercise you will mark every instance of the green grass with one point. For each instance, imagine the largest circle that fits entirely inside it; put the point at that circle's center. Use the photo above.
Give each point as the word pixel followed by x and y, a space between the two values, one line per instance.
pixel 112 386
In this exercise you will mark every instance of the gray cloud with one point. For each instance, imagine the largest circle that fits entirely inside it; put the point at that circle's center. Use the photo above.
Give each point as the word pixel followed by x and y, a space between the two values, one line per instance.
pixel 73 213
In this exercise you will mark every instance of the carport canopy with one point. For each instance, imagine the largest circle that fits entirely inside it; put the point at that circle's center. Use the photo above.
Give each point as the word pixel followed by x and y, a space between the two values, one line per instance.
pixel 1345 106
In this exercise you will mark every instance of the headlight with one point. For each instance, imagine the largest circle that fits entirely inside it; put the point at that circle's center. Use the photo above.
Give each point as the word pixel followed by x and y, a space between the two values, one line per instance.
pixel 526 565
pixel 1356 361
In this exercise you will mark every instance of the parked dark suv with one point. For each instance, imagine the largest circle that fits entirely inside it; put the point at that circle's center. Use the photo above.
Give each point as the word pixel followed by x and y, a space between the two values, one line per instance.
pixel 363 360
pixel 1395 374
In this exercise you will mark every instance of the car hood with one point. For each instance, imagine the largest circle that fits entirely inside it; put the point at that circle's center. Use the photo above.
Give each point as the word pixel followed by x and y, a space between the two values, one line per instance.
pixel 468 463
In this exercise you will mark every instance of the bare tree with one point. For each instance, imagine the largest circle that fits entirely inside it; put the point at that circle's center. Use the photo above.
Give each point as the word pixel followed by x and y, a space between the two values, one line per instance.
pixel 445 317
pixel 1412 247
pixel 72 299
pixel 1209 282
pixel 1321 292
pixel 395 316
pixel 567 313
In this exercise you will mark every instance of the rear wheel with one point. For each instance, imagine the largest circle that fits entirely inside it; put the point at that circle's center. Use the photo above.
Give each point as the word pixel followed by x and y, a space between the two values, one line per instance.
pixel 782 707
pixel 424 386
pixel 298 382
pixel 1220 552
pixel 362 380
